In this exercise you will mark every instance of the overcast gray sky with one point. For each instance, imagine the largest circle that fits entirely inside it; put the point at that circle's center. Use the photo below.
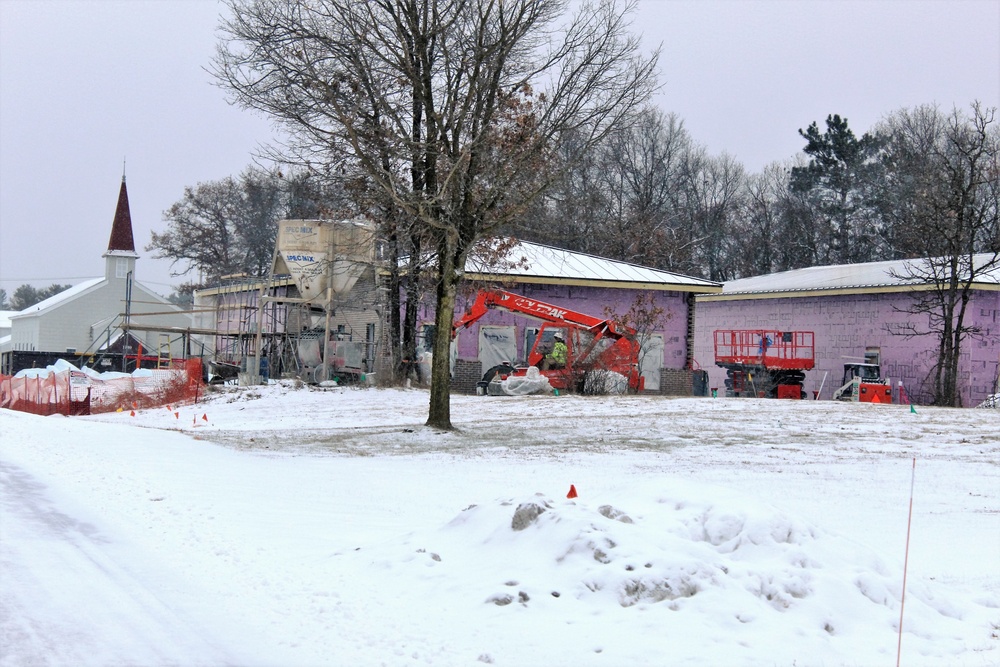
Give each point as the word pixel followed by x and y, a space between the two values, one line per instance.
pixel 86 83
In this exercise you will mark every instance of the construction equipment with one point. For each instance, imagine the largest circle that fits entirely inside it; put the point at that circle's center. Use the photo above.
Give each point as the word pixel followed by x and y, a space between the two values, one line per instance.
pixel 863 382
pixel 592 344
pixel 765 364
pixel 324 260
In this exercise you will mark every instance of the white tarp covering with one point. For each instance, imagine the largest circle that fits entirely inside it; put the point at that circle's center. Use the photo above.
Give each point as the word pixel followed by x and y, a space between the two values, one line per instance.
pixel 532 383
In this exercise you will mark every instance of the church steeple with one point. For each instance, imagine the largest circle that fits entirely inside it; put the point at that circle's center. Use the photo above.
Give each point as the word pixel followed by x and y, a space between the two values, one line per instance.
pixel 121 229
pixel 120 256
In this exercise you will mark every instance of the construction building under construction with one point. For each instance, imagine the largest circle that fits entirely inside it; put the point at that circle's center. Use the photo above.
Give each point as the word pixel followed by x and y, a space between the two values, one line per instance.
pixel 316 316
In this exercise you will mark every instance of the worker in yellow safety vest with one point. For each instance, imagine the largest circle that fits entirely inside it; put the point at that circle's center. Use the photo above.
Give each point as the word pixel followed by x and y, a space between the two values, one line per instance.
pixel 556 358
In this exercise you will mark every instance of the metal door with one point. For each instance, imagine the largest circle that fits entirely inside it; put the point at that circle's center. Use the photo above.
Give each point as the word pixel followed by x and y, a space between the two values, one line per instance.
pixel 497 345
pixel 651 360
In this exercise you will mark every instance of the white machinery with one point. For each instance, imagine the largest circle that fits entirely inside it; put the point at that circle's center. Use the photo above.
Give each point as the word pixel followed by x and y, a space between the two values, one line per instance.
pixel 863 382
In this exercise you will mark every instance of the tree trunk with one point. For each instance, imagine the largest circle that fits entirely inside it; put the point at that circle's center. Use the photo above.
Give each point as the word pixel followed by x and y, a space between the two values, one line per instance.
pixel 844 231
pixel 439 415
pixel 950 394
pixel 409 325
pixel 394 305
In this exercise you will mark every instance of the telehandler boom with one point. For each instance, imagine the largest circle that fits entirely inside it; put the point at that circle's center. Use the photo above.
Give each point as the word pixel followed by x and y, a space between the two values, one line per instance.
pixel 592 343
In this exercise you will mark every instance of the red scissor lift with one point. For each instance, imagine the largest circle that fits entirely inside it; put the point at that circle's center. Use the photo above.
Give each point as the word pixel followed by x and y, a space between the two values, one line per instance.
pixel 765 363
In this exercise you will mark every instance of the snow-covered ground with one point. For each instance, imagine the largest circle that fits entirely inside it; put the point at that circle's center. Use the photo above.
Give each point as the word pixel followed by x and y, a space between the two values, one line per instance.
pixel 284 526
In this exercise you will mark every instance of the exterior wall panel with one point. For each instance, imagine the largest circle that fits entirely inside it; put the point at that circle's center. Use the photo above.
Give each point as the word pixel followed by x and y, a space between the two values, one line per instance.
pixel 845 324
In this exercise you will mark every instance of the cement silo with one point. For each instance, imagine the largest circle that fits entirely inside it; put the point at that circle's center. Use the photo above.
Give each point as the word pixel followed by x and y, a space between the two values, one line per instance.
pixel 324 260
pixel 323 257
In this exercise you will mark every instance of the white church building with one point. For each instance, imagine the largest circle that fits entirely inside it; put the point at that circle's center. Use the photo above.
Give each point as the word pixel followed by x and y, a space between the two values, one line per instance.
pixel 99 320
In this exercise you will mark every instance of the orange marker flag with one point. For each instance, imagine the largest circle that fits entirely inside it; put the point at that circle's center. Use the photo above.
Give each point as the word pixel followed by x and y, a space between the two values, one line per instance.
pixel 177 415
pixel 572 491
pixel 131 413
pixel 205 417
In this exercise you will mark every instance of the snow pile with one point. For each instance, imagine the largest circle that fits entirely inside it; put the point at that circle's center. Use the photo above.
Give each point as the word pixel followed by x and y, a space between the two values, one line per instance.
pixel 602 381
pixel 692 556
pixel 991 402
pixel 61 365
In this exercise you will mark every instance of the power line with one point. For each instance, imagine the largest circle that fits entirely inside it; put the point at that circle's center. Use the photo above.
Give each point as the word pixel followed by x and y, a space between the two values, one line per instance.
pixel 56 279
pixel 25 281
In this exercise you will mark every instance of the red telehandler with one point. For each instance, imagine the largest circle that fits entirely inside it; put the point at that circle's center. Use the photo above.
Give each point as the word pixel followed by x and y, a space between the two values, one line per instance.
pixel 591 343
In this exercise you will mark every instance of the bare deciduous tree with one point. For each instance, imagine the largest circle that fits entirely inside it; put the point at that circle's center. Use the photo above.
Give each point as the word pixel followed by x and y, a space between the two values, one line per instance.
pixel 641 174
pixel 951 167
pixel 228 226
pixel 452 108
pixel 755 237
pixel 573 211
pixel 646 318
pixel 715 194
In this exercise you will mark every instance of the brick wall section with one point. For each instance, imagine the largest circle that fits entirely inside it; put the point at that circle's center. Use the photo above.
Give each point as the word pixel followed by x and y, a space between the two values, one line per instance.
pixel 467 374
pixel 846 324
pixel 676 382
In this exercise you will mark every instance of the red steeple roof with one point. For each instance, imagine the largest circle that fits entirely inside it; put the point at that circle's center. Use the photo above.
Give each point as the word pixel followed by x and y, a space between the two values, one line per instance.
pixel 121 228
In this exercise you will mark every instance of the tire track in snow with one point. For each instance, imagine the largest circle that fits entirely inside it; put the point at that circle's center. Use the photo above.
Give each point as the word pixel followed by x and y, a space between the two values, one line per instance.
pixel 98 610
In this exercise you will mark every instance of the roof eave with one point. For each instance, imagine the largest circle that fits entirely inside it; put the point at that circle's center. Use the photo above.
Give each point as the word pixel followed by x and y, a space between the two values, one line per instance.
pixel 42 307
pixel 587 282
pixel 831 291
pixel 252 285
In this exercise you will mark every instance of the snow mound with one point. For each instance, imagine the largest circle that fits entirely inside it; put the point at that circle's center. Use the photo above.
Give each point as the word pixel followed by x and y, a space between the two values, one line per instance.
pixel 62 365
pixel 602 381
pixel 991 402
pixel 677 550
pixel 709 557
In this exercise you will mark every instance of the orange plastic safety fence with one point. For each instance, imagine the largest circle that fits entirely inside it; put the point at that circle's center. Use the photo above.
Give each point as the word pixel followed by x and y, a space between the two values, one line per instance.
pixel 76 393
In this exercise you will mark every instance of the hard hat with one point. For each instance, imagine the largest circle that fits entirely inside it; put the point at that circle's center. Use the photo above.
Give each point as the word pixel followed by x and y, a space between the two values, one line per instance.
pixel 558 337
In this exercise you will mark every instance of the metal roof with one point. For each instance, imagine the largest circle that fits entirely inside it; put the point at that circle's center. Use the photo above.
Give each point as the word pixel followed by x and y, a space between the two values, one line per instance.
pixel 57 299
pixel 868 277
pixel 533 262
